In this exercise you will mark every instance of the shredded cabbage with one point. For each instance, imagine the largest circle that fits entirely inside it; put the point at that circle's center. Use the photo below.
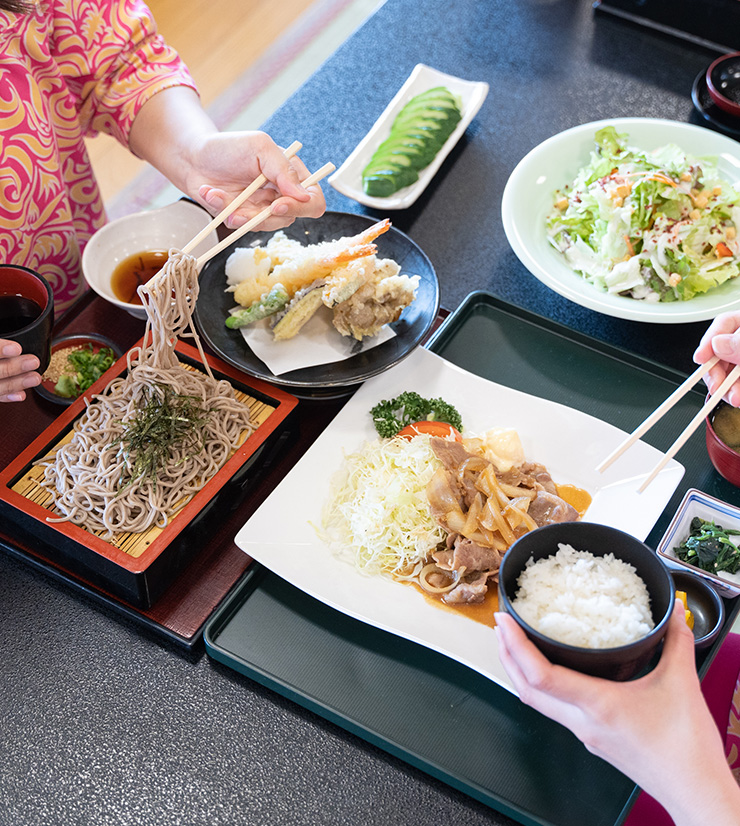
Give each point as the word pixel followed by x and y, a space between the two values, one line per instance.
pixel 654 226
pixel 378 509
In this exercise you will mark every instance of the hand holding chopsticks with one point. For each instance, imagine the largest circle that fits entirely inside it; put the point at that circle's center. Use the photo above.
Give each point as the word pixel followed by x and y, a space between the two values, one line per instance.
pixel 258 182
pixel 325 170
pixel 660 411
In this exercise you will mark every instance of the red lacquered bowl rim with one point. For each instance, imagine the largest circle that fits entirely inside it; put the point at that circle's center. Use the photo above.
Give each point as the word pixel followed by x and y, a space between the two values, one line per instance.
pixel 724 103
pixel 724 458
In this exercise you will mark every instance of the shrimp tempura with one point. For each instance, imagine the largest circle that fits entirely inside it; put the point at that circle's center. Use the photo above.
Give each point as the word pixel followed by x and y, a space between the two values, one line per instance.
pixel 300 267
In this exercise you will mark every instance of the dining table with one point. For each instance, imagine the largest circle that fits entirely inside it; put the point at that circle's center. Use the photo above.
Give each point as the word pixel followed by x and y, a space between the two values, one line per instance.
pixel 113 714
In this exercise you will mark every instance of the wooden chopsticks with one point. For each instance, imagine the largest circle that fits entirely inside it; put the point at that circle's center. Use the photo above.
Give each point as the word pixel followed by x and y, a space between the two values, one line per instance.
pixel 660 411
pixel 258 182
pixel 325 170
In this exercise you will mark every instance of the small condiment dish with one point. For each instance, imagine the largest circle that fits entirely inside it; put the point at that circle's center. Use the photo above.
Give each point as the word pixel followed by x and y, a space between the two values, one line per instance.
pixel 723 82
pixel 74 341
pixel 698 504
pixel 171 226
pixel 704 603
pixel 621 662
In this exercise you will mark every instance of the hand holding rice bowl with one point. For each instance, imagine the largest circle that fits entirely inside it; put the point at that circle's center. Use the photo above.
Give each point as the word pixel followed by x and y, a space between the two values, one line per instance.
pixel 584 630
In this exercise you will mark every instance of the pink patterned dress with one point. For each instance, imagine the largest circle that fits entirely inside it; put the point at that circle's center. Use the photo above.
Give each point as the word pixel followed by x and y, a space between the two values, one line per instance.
pixel 69 70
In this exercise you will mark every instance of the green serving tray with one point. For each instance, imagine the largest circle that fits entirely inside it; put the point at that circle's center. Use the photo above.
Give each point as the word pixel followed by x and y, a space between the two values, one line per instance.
pixel 421 706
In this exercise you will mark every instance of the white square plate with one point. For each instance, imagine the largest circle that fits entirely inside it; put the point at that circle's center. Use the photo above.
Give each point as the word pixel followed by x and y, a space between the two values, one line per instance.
pixel 348 178
pixel 697 503
pixel 571 444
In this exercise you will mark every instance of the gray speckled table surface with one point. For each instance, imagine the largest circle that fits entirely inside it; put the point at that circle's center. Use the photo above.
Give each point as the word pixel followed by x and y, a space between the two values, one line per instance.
pixel 102 724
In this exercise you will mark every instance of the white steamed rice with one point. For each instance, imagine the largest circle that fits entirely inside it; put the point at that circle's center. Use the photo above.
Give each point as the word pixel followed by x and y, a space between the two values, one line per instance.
pixel 584 600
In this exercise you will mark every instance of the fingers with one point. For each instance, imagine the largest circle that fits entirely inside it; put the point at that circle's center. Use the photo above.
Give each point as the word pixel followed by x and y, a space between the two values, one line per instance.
pixel 554 691
pixel 678 648
pixel 727 347
pixel 714 378
pixel 16 372
pixel 17 375
pixel 284 209
pixel 724 325
pixel 722 338
pixel 289 177
pixel 8 349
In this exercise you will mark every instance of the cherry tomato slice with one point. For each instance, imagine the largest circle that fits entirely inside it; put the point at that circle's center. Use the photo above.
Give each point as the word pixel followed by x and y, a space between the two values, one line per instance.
pixel 441 429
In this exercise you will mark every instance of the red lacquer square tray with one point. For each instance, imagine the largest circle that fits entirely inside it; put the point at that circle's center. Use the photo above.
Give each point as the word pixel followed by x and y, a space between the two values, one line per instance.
pixel 138 568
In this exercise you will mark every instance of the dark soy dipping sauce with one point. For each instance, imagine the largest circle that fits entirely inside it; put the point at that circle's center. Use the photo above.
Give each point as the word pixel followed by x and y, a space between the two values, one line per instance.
pixel 135 270
pixel 17 312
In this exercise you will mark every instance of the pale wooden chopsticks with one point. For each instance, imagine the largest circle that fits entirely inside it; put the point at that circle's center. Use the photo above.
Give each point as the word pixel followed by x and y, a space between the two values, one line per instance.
pixel 258 182
pixel 712 402
pixel 660 411
pixel 325 170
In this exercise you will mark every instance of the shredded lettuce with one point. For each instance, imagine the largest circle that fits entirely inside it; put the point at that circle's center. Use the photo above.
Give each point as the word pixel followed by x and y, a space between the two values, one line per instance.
pixel 654 226
pixel 378 511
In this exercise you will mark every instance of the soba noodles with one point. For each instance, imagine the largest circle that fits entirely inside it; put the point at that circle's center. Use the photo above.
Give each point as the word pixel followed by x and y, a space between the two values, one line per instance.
pixel 93 478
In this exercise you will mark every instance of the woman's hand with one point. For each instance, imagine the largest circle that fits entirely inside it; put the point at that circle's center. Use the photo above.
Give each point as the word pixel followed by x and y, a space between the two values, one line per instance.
pixel 656 730
pixel 173 133
pixel 228 162
pixel 722 339
pixel 17 372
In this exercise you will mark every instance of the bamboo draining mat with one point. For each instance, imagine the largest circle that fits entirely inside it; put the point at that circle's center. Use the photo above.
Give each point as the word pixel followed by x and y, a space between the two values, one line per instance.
pixel 133 544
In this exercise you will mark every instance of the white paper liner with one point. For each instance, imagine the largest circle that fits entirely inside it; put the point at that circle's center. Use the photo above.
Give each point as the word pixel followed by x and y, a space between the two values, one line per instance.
pixel 318 342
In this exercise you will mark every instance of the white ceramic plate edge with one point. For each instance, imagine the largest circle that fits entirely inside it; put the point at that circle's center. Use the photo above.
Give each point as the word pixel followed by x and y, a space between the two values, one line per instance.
pixel 551 270
pixel 348 178
pixel 281 537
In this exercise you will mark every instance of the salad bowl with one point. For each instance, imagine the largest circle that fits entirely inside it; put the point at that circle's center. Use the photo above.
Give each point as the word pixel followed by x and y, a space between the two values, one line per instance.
pixel 529 197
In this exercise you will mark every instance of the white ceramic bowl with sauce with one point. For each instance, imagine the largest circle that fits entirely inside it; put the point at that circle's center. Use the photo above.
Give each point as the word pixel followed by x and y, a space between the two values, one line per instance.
pixel 156 229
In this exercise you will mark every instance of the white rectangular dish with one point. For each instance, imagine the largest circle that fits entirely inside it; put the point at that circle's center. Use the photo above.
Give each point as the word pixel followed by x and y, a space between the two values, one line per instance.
pixel 348 178
pixel 282 537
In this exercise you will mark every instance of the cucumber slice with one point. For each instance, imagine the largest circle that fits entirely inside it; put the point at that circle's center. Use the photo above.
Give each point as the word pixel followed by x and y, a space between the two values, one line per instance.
pixel 436 91
pixel 379 186
pixel 382 184
pixel 404 175
pixel 430 105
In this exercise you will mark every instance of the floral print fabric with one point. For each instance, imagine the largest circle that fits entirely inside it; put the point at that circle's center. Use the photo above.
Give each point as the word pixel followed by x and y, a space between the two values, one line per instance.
pixel 68 70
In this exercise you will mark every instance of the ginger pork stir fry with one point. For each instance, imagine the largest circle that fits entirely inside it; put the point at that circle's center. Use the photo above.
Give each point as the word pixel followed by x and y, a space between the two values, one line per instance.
pixel 483 512
pixel 440 511
pixel 288 283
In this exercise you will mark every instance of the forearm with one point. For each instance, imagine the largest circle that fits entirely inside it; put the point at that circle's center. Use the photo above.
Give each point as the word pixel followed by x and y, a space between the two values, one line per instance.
pixel 167 131
pixel 718 803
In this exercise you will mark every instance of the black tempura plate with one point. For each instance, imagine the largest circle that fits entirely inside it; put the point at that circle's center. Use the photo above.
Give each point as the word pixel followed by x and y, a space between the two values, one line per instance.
pixel 709 111
pixel 338 378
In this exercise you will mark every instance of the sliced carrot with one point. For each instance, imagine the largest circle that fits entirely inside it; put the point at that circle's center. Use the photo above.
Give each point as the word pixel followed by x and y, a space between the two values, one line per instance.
pixel 433 428
pixel 722 250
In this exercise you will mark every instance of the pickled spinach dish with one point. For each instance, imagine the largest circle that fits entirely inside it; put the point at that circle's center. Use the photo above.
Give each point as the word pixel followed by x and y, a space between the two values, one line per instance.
pixel 418 133
pixel 709 547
